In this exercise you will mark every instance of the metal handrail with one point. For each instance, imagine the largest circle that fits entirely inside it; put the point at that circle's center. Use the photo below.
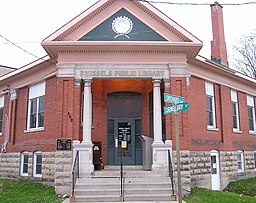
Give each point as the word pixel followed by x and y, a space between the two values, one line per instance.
pixel 75 172
pixel 170 170
pixel 121 178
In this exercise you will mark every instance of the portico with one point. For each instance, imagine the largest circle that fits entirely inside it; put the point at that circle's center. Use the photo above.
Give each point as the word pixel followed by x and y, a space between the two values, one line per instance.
pixel 156 73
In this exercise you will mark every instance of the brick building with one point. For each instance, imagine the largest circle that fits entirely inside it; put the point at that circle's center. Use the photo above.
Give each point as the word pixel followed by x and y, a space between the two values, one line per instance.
pixel 106 70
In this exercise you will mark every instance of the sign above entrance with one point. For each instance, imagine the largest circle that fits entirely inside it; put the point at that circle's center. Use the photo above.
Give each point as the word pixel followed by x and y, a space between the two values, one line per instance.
pixel 85 71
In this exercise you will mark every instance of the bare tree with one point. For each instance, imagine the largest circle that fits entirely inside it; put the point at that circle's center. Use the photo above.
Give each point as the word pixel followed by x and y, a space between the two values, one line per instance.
pixel 246 57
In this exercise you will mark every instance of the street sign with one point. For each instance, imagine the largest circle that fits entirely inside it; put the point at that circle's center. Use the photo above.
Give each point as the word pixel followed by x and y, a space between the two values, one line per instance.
pixel 176 108
pixel 173 98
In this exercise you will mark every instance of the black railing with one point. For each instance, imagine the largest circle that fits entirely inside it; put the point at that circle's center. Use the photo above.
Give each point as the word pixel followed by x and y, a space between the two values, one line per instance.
pixel 171 171
pixel 122 177
pixel 75 172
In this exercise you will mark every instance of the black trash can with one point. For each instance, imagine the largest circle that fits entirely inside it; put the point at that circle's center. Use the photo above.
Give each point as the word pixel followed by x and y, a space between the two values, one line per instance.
pixel 97 155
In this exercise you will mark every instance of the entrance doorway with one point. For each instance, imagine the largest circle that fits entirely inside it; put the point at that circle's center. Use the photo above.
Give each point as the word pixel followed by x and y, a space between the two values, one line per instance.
pixel 215 169
pixel 124 124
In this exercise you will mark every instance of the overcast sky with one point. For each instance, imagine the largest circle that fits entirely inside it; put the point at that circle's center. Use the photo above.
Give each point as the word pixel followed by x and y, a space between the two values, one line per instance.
pixel 28 22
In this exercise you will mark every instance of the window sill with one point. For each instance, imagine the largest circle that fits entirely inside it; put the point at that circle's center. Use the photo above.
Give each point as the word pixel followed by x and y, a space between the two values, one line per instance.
pixel 240 173
pixel 34 130
pixel 37 176
pixel 1 134
pixel 251 132
pixel 24 174
pixel 237 131
pixel 210 128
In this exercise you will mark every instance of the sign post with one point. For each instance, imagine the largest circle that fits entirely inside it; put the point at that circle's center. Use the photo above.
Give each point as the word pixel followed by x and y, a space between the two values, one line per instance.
pixel 178 105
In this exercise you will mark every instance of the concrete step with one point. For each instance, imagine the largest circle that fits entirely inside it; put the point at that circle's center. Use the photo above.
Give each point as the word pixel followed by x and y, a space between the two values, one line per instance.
pixel 99 198
pixel 147 197
pixel 139 185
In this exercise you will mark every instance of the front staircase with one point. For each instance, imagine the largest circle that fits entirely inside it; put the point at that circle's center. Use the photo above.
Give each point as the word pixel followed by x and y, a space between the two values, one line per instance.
pixel 139 185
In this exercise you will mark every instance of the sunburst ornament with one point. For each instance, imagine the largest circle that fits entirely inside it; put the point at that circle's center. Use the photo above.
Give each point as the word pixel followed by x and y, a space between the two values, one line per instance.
pixel 122 26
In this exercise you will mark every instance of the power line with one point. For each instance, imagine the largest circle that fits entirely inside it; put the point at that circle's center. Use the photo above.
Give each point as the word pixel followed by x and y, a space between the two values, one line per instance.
pixel 197 4
pixel 18 46
pixel 14 44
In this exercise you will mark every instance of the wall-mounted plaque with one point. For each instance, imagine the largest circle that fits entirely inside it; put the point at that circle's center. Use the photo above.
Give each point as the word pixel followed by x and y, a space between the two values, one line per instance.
pixel 63 144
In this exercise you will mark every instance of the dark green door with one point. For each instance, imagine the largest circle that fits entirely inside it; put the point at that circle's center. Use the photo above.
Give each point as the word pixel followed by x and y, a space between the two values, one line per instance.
pixel 124 128
pixel 124 142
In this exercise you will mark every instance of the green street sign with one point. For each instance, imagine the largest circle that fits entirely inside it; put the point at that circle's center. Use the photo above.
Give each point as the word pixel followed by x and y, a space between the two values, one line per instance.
pixel 173 98
pixel 176 108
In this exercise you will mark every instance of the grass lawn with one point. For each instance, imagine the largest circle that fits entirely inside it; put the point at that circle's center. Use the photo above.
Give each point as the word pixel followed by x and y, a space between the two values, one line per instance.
pixel 199 195
pixel 236 192
pixel 19 191
pixel 245 187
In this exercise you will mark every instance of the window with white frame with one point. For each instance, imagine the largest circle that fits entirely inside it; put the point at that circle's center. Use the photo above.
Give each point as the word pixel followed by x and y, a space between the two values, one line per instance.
pixel 36 106
pixel 24 164
pixel 1 113
pixel 251 114
pixel 210 105
pixel 255 159
pixel 37 164
pixel 240 161
pixel 235 112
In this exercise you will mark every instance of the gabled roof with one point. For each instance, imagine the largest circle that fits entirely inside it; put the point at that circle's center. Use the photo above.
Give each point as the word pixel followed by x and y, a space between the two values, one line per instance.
pixel 107 11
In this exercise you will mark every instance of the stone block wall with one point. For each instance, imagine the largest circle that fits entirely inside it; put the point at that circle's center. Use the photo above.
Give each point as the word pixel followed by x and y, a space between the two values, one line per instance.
pixel 229 170
pixel 185 171
pixel 10 165
pixel 63 168
pixel 56 169
pixel 200 169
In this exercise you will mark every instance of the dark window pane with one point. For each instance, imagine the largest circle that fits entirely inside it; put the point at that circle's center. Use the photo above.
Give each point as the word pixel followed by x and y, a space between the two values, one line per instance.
pixel 138 127
pixel 32 121
pixel 41 120
pixel 138 142
pixel 234 115
pixel 38 169
pixel 209 110
pixel 255 160
pixel 25 158
pixel 111 142
pixel 25 163
pixel 25 168
pixel 41 104
pixel 250 118
pixel 33 106
pixel 213 165
pixel 1 119
pixel 39 159
pixel 110 127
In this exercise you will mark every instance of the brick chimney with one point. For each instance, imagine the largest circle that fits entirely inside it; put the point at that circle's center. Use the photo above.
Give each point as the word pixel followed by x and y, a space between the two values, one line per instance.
pixel 218 44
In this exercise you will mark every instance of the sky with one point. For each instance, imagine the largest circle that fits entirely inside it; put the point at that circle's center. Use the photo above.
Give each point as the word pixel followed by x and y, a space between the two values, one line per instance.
pixel 28 22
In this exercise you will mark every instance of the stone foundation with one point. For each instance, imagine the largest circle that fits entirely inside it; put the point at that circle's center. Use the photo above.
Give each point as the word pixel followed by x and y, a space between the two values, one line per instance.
pixel 56 169
pixel 195 169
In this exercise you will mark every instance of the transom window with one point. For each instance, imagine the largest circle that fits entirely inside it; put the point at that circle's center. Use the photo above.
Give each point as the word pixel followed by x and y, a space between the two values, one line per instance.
pixel 210 106
pixel 36 106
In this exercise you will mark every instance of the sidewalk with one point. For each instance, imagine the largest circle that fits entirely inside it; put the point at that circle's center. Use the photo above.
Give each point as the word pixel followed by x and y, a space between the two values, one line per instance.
pixel 67 201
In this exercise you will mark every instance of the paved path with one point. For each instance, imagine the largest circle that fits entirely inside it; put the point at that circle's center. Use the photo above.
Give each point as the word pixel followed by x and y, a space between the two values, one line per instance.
pixel 67 201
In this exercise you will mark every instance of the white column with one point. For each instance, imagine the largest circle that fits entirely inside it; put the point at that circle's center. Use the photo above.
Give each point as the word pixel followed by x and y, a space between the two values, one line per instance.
pixel 157 111
pixel 85 147
pixel 87 112
pixel 160 149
